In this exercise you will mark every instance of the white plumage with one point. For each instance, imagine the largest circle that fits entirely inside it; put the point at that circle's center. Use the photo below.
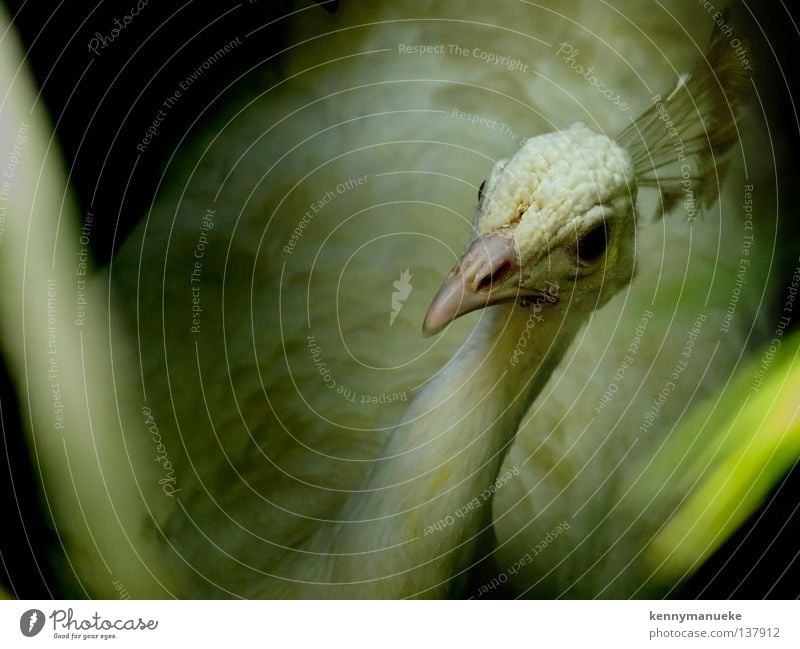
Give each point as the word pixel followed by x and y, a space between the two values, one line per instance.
pixel 267 355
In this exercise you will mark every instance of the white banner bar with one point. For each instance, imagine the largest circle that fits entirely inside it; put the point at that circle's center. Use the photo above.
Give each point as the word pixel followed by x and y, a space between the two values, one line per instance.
pixel 400 624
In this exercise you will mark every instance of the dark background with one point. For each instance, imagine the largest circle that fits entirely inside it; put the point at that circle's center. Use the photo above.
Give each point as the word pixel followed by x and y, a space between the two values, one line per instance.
pixel 101 105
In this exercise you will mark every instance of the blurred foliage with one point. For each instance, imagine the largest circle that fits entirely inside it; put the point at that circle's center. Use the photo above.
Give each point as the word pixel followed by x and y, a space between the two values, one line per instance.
pixel 92 476
pixel 730 453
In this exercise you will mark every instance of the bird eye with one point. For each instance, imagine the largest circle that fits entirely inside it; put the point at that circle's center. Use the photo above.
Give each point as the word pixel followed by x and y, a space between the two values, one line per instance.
pixel 593 244
pixel 480 191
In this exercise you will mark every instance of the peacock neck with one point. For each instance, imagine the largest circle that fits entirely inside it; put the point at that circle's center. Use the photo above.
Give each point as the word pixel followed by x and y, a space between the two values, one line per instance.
pixel 414 523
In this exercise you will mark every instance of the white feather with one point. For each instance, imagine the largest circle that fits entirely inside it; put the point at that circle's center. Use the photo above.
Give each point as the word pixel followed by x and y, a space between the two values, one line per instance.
pixel 275 408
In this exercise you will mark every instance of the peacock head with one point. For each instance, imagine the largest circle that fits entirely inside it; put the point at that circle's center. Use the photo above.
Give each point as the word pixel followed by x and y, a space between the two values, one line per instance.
pixel 555 222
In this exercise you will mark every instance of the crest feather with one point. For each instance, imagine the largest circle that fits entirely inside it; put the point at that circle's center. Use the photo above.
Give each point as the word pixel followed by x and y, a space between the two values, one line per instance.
pixel 679 145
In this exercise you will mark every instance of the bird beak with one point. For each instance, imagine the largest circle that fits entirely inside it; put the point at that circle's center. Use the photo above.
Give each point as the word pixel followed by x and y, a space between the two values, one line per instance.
pixel 473 282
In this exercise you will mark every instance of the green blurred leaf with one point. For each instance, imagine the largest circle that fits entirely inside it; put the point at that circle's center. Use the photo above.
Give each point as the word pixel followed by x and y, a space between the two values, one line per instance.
pixel 733 450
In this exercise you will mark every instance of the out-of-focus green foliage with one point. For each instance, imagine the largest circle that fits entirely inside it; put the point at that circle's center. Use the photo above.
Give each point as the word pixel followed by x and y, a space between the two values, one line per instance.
pixel 730 453
pixel 64 370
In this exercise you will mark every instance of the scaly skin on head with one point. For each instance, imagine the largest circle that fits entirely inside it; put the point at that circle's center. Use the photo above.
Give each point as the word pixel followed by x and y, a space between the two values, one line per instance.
pixel 560 211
